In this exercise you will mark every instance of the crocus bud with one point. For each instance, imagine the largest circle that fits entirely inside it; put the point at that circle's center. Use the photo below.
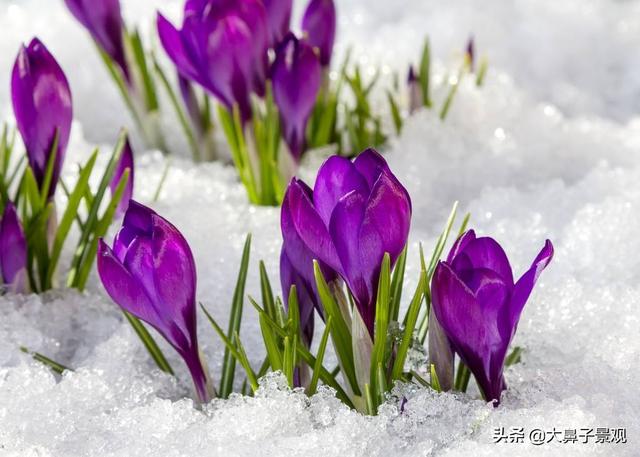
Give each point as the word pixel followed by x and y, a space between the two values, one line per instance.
pixel 319 26
pixel 221 46
pixel 13 251
pixel 279 18
pixel 150 272
pixel 103 20
pixel 42 105
pixel 356 213
pixel 296 78
pixel 415 91
pixel 125 163
pixel 478 305
pixel 470 55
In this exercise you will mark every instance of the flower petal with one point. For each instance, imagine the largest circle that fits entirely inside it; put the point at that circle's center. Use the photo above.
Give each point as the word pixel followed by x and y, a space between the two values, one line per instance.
pixel 370 164
pixel 279 17
pixel 175 49
pixel 123 288
pixel 486 253
pixel 525 284
pixel 125 163
pixel 336 178
pixel 310 226
pixel 319 24
pixel 13 249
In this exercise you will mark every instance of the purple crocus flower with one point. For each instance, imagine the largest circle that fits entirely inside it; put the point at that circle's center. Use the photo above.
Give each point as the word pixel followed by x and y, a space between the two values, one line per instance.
pixel 279 18
pixel 126 162
pixel 356 213
pixel 151 273
pixel 222 46
pixel 104 22
pixel 470 54
pixel 319 25
pixel 42 105
pixel 296 77
pixel 13 251
pixel 478 305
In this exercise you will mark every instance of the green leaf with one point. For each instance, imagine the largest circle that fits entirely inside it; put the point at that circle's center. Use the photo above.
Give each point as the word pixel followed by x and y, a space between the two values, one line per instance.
pixel 395 113
pixel 306 356
pixel 425 73
pixel 340 334
pixel 70 213
pixel 288 360
pixel 381 326
pixel 514 357
pixel 152 347
pixel 442 241
pixel 55 366
pixel 244 362
pixel 267 292
pixel 482 71
pixel 409 327
pixel 83 251
pixel 270 343
pixel 462 377
pixel 232 348
pixel 229 363
pixel 313 385
pixel 48 175
pixel 453 89
pixel 151 100
pixel 396 284
pixel 163 178
pixel 435 383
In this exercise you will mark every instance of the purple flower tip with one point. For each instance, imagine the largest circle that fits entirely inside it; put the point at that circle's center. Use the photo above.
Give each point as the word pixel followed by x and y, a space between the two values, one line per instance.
pixel 126 163
pixel 296 76
pixel 150 272
pixel 103 21
pixel 13 251
pixel 356 212
pixel 319 26
pixel 42 105
pixel 478 304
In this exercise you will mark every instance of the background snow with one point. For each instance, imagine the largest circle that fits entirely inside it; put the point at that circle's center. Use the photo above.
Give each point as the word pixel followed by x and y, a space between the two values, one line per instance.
pixel 548 148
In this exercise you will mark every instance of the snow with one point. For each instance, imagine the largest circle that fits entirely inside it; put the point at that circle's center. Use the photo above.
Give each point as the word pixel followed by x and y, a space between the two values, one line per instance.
pixel 548 148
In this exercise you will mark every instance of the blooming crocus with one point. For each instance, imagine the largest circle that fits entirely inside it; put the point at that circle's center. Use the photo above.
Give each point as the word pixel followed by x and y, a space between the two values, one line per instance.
pixel 220 47
pixel 150 272
pixel 296 77
pixel 125 163
pixel 279 18
pixel 42 105
pixel 13 251
pixel 478 305
pixel 103 21
pixel 415 91
pixel 357 212
pixel 319 26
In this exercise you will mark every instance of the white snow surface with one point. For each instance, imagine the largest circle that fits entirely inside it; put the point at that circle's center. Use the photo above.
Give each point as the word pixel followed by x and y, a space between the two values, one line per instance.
pixel 549 148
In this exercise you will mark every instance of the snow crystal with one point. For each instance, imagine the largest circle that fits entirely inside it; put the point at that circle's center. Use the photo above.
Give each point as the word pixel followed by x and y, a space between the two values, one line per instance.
pixel 548 148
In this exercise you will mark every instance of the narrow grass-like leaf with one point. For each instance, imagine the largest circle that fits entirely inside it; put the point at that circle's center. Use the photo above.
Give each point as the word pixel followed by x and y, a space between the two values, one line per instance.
pixel 340 334
pixel 151 99
pixel 48 174
pixel 304 354
pixel 442 240
pixel 482 71
pixel 453 89
pixel 462 377
pixel 396 284
pixel 395 113
pixel 270 343
pixel 287 360
pixel 149 343
pixel 235 318
pixel 267 292
pixel 244 361
pixel 514 357
pixel 313 385
pixel 425 73
pixel 409 327
pixel 435 382
pixel 237 352
pixel 381 325
pixel 55 366
pixel 163 178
